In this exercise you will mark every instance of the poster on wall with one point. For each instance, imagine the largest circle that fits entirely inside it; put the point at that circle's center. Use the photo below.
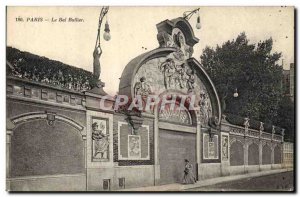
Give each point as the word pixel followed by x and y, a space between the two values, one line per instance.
pixel 134 147
pixel 100 140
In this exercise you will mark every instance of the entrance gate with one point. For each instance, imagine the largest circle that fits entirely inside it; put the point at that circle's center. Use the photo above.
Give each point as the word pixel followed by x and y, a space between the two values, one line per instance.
pixel 174 147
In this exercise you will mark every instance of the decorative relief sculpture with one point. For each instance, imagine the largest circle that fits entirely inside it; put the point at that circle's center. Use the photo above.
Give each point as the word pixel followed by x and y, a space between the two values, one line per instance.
pixel 169 73
pixel 180 43
pixel 191 80
pixel 178 116
pixel 237 131
pixel 224 147
pixel 142 88
pixel 165 39
pixel 205 108
pixel 134 146
pixel 177 75
pixel 168 69
pixel 100 139
pixel 211 149
pixel 172 72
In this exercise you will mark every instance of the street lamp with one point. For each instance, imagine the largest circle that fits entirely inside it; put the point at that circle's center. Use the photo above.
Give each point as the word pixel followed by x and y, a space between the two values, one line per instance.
pixel 188 14
pixel 235 94
pixel 198 25
pixel 98 51
pixel 106 34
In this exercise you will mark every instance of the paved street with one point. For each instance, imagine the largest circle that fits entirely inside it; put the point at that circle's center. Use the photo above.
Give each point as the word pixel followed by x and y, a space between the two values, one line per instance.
pixel 276 182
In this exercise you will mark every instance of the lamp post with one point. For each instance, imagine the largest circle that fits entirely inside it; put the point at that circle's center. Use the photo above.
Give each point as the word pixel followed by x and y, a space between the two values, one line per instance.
pixel 98 51
pixel 188 14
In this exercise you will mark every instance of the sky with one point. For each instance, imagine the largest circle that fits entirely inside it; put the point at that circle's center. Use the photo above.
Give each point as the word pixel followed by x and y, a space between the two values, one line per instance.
pixel 133 31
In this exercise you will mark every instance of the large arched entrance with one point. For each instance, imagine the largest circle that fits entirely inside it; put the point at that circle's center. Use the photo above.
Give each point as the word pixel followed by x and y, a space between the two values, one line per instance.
pixel 171 70
pixel 177 142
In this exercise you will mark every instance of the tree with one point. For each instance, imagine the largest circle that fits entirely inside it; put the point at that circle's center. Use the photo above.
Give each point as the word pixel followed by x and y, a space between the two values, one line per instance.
pixel 286 117
pixel 252 69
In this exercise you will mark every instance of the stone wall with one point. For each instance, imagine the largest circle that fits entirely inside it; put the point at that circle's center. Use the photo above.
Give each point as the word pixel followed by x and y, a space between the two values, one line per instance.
pixel 252 150
pixel 45 137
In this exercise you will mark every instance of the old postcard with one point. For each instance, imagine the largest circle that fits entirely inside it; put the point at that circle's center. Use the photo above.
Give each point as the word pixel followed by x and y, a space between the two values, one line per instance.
pixel 138 99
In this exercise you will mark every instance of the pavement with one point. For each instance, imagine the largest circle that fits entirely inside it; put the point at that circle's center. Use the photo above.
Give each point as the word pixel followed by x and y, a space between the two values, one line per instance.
pixel 207 182
pixel 279 182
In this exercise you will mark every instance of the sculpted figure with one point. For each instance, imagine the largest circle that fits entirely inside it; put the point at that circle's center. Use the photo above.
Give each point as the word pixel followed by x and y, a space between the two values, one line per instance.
pixel 168 69
pixel 204 107
pixel 101 141
pixel 96 62
pixel 142 88
pixel 191 80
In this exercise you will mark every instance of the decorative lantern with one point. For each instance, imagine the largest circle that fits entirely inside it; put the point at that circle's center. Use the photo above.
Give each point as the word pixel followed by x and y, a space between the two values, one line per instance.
pixel 235 94
pixel 198 25
pixel 106 34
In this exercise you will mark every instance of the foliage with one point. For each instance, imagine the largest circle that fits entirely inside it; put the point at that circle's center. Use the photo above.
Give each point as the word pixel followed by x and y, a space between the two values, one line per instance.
pixel 42 69
pixel 252 69
pixel 286 117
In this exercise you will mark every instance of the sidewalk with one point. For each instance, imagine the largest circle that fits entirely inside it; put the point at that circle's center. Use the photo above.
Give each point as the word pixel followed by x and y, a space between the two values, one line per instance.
pixel 213 181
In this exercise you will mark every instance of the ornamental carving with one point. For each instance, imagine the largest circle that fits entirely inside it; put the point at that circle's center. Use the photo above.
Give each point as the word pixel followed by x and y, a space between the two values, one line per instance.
pixel 142 88
pixel 266 136
pixel 177 75
pixel 237 131
pixel 165 39
pixel 169 73
pixel 177 40
pixel 100 140
pixel 253 133
pixel 225 147
pixel 134 146
pixel 172 72
pixel 205 108
pixel 176 115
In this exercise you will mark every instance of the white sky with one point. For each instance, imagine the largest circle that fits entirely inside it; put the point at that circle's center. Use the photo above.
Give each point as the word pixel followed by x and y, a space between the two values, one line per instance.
pixel 135 27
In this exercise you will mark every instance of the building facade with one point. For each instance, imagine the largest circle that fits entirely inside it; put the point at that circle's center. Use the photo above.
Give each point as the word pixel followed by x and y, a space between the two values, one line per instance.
pixel 288 82
pixel 63 135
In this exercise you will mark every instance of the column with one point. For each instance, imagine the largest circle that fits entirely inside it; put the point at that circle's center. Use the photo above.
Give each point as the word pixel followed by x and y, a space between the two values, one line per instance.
pixel 198 147
pixel 9 134
pixel 245 155
pixel 260 154
pixel 85 161
pixel 156 149
pixel 272 154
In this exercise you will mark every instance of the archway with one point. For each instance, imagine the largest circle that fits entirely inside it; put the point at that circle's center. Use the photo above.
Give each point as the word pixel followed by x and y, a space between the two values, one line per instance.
pixel 172 69
pixel 277 154
pixel 177 141
pixel 43 143
pixel 253 154
pixel 236 154
pixel 266 154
